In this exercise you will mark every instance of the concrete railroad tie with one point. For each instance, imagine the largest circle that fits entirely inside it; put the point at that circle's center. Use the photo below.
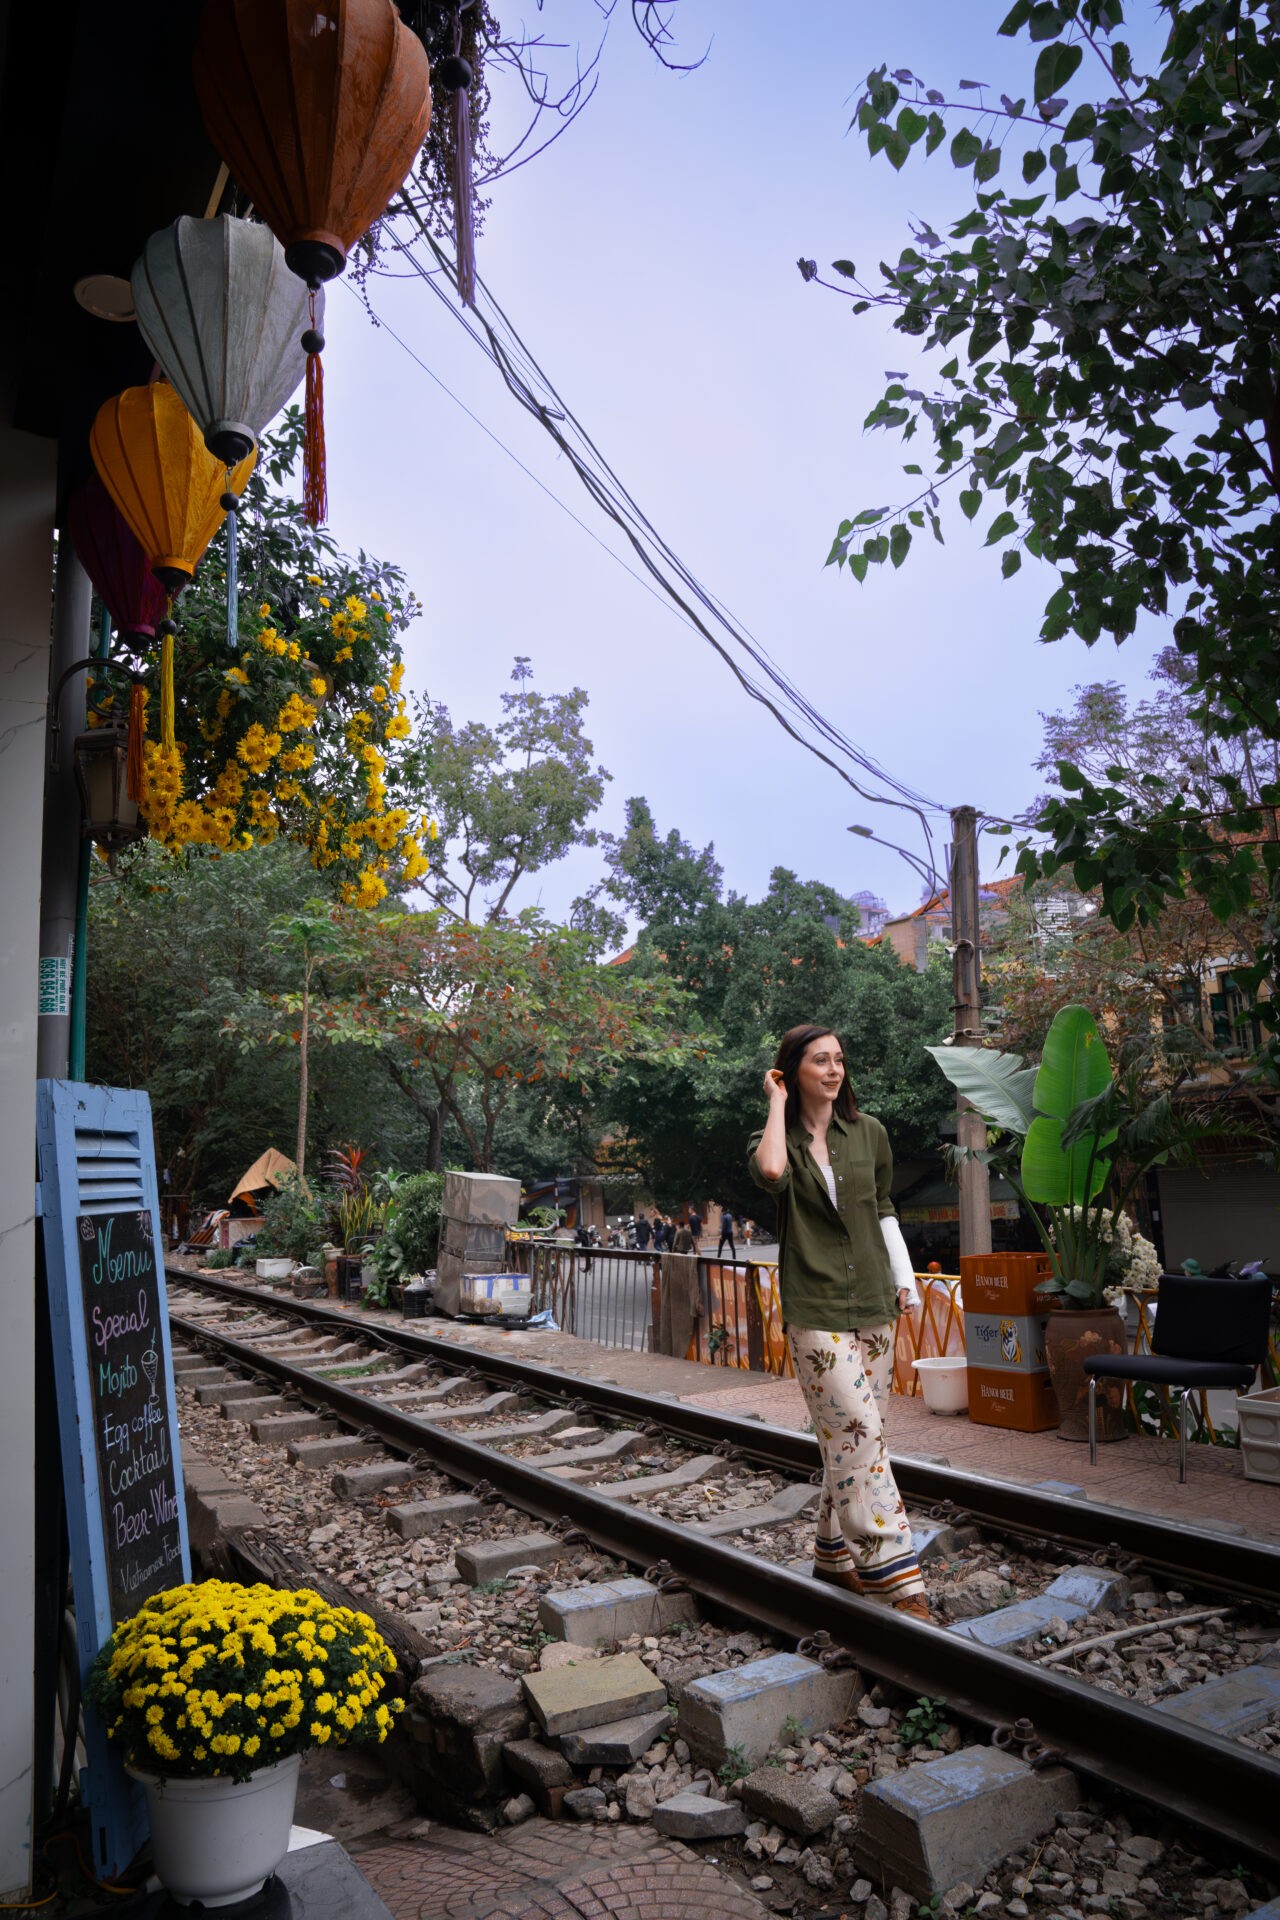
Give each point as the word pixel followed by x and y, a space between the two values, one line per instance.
pixel 700 1468
pixel 777 1512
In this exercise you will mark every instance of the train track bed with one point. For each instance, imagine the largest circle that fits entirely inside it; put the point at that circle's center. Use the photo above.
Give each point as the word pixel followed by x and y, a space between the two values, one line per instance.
pixel 1159 1638
pixel 1105 1858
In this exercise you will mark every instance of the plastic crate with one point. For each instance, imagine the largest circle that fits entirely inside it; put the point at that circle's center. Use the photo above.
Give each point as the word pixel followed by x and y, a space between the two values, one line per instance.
pixel 1258 1415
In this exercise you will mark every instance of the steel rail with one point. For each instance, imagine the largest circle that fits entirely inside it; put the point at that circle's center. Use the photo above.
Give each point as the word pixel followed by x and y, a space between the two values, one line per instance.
pixel 1247 1569
pixel 1230 1790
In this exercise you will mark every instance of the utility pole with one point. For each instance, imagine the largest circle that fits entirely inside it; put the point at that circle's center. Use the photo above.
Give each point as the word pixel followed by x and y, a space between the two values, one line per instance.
pixel 971 1131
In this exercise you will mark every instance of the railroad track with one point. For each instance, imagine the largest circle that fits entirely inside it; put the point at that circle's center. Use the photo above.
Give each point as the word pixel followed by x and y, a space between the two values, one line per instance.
pixel 1215 1782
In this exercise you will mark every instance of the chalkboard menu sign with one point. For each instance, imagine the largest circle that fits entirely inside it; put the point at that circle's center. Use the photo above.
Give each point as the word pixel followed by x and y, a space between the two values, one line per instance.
pixel 117 1413
pixel 137 1475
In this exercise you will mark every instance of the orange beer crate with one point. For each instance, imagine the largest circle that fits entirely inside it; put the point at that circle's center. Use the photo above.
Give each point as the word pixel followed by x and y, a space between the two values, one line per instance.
pixel 1004 1341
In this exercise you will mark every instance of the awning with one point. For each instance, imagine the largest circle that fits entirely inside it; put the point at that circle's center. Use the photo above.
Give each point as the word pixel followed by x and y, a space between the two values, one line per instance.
pixel 937 1204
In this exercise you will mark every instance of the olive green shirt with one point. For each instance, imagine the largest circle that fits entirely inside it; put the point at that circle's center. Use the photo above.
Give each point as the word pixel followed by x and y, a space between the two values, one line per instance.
pixel 833 1266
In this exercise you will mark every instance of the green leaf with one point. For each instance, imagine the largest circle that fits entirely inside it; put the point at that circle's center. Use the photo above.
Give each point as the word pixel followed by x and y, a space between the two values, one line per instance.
pixel 987 165
pixel 965 148
pixel 1034 163
pixel 1001 527
pixel 1010 563
pixel 1073 1068
pixel 911 125
pixel 899 543
pixel 970 501
pixel 846 267
pixel 998 1084
pixel 1054 67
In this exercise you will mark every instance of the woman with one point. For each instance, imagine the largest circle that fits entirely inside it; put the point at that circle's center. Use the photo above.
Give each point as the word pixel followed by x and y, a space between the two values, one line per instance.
pixel 844 1273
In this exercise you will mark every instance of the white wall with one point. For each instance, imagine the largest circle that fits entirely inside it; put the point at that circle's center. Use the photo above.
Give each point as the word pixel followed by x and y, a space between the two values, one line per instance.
pixel 26 547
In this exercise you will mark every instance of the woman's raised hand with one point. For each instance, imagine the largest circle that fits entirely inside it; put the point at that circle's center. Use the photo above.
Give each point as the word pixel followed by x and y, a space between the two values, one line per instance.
pixel 774 1085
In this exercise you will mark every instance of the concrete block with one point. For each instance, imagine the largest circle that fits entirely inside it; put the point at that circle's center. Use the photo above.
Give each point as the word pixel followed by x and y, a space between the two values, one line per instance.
pixel 1233 1704
pixel 187 1361
pixel 495 1403
pixel 1065 1489
pixel 203 1377
pixel 552 1422
pixel 605 1454
pixel 431 1395
pixel 399 1376
pixel 929 1827
pixel 459 1721
pixel 421 1517
pixel 354 1483
pixel 1096 1589
pixel 932 1540
pixel 600 1613
pixel 542 1771
pixel 699 1468
pixel 1009 1628
pixel 618 1742
pixel 234 1390
pixel 210 1515
pixel 778 1512
pixel 494 1559
pixel 259 1408
pixel 747 1706
pixel 327 1453
pixel 696 1816
pixel 280 1428
pixel 205 1476
pixel 1270 1912
pixel 791 1800
pixel 593 1694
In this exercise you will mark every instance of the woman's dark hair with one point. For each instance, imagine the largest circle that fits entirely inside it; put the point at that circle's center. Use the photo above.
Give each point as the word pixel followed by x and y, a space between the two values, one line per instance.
pixel 791 1051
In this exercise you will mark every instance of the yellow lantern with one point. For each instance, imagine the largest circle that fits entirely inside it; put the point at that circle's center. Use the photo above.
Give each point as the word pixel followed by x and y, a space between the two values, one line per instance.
pixel 168 486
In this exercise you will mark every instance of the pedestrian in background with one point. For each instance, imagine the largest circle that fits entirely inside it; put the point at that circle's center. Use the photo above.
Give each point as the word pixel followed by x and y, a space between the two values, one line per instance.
pixel 844 1274
pixel 695 1226
pixel 659 1234
pixel 643 1232
pixel 726 1233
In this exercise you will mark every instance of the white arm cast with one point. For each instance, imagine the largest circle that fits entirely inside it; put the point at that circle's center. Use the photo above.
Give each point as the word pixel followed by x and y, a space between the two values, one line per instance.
pixel 904 1280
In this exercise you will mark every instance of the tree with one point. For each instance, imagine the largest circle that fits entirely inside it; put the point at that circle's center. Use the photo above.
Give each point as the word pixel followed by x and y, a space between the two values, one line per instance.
pixel 509 800
pixel 493 1007
pixel 753 969
pixel 659 881
pixel 1113 390
pixel 179 950
pixel 311 937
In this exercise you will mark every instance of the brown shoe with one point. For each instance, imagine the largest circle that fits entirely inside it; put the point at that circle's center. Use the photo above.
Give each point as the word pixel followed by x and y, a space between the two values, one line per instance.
pixel 838 1577
pixel 915 1606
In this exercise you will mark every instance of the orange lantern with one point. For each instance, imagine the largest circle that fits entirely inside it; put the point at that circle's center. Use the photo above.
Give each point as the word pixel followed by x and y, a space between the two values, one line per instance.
pixel 318 108
pixel 168 486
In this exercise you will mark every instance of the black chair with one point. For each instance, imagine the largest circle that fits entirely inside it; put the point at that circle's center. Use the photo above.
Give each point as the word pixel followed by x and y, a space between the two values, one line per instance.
pixel 1208 1333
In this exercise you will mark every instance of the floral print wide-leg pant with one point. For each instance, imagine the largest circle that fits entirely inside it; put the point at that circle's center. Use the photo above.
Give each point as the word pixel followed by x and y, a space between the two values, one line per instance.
pixel 862 1522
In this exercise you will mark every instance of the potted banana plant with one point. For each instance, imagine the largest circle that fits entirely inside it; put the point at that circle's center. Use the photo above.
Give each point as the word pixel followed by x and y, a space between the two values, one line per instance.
pixel 1074 1142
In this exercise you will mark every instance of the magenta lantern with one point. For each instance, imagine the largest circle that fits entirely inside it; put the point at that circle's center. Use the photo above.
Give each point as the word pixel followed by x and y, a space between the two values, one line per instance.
pixel 116 564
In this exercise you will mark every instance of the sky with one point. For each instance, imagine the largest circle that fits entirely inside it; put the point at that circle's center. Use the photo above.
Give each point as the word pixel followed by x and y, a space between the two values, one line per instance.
pixel 649 258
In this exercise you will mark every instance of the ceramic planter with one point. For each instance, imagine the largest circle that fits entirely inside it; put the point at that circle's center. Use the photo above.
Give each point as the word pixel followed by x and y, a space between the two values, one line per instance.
pixel 1072 1336
pixel 218 1841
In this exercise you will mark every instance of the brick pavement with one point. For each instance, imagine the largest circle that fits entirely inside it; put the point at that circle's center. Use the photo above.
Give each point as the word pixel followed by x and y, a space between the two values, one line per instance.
pixel 1139 1473
pixel 551 1870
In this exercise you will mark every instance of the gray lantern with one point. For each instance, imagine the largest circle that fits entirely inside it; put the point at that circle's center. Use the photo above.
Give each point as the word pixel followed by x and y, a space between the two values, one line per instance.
pixel 224 318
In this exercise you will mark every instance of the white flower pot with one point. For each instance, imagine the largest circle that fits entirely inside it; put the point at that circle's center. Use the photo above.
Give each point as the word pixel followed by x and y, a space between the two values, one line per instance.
pixel 944 1382
pixel 273 1267
pixel 218 1841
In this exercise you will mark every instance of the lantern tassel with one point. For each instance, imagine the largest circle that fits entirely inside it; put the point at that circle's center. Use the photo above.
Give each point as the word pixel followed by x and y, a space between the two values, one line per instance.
pixel 231 505
pixel 463 198
pixel 166 691
pixel 135 766
pixel 315 483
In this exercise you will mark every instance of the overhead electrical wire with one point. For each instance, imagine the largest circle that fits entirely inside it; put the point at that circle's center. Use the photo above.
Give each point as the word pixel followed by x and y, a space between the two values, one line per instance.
pixel 668 577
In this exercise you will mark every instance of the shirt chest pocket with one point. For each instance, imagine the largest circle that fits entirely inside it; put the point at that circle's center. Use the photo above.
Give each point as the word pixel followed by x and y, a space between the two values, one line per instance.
pixel 856 1183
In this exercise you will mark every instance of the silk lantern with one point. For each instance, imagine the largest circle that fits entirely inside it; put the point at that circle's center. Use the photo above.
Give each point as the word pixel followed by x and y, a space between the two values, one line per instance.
pixel 318 107
pixel 153 462
pixel 111 556
pixel 224 318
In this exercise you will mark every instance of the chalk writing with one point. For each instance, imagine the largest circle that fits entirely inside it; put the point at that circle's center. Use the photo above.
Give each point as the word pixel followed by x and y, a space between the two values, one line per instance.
pixel 137 1473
